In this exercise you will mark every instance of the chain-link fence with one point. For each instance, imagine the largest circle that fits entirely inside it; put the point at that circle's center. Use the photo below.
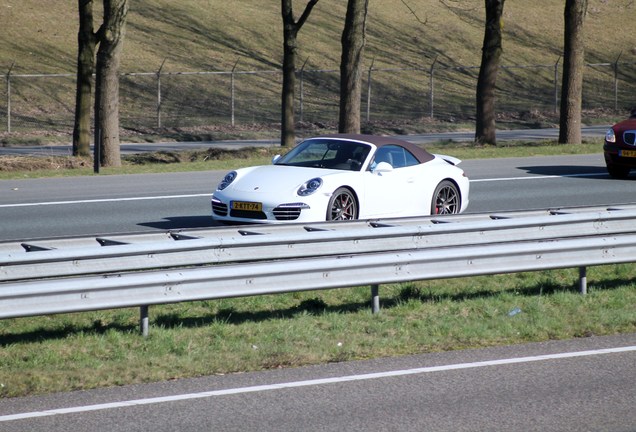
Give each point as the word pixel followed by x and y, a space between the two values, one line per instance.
pixel 30 102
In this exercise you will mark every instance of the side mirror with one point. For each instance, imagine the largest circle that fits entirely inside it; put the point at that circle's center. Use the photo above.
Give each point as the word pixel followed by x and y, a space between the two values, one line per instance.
pixel 382 167
pixel 275 158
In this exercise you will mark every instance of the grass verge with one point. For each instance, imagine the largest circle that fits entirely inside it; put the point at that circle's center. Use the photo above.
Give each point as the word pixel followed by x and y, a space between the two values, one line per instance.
pixel 96 349
pixel 21 167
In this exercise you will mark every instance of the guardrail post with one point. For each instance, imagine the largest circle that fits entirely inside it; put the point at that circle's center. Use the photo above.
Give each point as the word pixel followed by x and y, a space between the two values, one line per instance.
pixel 375 298
pixel 143 320
pixel 583 280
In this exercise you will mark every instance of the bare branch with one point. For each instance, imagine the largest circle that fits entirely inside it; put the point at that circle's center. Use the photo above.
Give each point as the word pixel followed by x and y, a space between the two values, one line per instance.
pixel 305 14
pixel 414 14
pixel 460 8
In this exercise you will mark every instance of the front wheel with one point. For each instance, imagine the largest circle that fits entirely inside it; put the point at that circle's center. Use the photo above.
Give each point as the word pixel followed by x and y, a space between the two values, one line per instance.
pixel 342 206
pixel 446 199
pixel 618 172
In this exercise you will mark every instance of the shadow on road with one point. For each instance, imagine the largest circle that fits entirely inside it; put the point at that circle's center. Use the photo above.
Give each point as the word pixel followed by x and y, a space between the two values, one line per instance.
pixel 180 222
pixel 567 170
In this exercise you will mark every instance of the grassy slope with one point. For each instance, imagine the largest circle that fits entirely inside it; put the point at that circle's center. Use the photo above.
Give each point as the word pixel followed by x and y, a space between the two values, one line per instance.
pixel 214 34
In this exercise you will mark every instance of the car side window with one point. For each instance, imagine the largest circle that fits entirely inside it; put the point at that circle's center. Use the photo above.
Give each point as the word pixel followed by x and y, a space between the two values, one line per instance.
pixel 409 159
pixel 397 156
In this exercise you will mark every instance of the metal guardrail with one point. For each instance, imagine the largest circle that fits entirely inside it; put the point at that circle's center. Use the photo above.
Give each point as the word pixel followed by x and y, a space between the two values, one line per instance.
pixel 67 275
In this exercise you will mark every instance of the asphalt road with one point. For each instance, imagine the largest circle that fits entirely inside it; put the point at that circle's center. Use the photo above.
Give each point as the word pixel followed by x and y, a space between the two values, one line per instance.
pixel 584 384
pixel 97 205
pixel 130 148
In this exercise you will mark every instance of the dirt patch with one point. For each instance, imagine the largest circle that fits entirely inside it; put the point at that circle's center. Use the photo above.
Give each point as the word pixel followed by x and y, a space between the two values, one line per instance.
pixel 168 157
pixel 36 163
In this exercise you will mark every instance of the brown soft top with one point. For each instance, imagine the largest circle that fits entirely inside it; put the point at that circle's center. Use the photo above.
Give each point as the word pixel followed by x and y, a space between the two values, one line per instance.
pixel 379 141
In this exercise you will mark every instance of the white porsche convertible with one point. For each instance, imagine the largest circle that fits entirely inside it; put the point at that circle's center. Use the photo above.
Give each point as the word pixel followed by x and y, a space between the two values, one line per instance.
pixel 343 177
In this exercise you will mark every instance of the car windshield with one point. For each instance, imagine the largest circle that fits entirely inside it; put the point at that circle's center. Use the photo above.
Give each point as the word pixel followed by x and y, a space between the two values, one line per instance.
pixel 327 153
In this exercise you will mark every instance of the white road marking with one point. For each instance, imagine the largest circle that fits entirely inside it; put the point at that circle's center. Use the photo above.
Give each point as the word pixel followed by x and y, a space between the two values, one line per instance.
pixel 103 200
pixel 308 383
pixel 538 177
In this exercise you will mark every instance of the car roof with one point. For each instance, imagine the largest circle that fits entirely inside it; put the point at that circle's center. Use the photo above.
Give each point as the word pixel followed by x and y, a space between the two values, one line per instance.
pixel 379 141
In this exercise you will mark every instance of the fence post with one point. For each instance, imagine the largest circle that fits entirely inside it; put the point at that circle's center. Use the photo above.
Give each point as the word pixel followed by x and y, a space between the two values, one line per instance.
pixel 301 77
pixel 616 81
pixel 369 91
pixel 556 85
pixel 9 97
pixel 431 88
pixel 159 94
pixel 232 92
pixel 97 148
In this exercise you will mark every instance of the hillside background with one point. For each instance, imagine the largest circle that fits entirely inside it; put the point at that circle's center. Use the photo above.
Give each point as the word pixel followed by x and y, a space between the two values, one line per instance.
pixel 39 38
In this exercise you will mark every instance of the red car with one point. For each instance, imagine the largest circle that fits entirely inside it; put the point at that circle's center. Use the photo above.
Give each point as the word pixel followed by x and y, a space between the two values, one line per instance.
pixel 620 147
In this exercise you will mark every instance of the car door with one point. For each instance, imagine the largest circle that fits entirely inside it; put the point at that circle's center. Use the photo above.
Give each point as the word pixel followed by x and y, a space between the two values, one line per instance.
pixel 389 192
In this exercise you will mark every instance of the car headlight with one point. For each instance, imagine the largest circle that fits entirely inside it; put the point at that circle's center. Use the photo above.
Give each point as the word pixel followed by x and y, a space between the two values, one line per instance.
pixel 227 180
pixel 610 136
pixel 310 187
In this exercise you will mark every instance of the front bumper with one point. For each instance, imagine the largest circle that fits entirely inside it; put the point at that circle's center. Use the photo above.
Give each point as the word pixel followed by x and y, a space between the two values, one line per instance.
pixel 613 155
pixel 270 213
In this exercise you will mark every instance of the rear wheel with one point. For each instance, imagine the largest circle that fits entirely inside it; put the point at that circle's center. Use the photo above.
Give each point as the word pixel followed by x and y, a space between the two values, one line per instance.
pixel 446 199
pixel 342 206
pixel 618 171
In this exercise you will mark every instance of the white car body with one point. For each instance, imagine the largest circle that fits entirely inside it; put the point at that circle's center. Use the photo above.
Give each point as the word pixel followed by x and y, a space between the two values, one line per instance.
pixel 379 189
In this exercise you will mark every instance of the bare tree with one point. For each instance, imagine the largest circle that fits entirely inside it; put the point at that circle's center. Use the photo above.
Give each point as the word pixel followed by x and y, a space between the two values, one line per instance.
pixel 111 38
pixel 87 43
pixel 107 82
pixel 573 65
pixel 291 27
pixel 353 40
pixel 485 130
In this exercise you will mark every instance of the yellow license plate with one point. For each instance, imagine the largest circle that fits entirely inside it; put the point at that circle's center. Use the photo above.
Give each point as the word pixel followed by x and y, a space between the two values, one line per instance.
pixel 247 206
pixel 628 153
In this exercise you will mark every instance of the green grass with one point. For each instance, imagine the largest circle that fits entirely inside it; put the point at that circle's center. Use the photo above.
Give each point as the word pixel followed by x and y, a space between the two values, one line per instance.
pixel 103 348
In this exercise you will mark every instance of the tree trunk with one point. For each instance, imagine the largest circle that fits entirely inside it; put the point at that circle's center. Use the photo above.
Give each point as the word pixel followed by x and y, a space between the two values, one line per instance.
pixel 353 40
pixel 573 64
pixel 485 129
pixel 107 81
pixel 86 43
pixel 288 132
pixel 290 48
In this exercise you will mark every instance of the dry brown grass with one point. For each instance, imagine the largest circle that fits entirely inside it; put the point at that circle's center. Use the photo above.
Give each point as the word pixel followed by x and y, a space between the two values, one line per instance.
pixel 215 34
pixel 37 163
